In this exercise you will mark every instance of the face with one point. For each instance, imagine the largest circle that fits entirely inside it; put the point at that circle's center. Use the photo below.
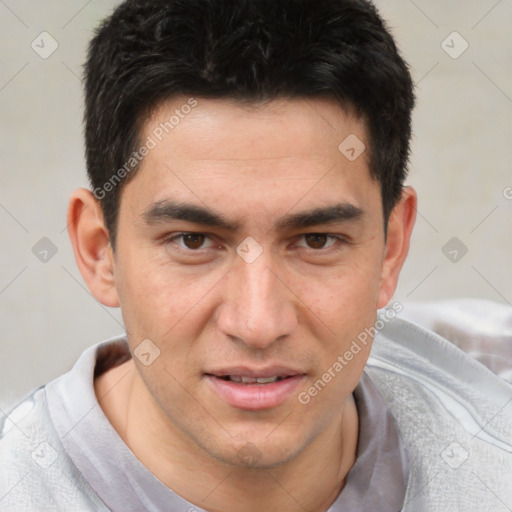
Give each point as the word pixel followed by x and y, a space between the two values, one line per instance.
pixel 250 247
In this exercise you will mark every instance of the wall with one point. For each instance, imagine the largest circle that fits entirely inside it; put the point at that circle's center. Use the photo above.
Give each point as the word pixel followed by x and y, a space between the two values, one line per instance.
pixel 460 167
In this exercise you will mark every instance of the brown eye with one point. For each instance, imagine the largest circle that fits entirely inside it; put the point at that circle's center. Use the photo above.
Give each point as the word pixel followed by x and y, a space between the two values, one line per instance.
pixel 193 240
pixel 316 240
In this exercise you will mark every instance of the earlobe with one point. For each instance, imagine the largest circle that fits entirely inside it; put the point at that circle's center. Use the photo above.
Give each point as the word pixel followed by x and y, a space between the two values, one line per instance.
pixel 91 246
pixel 400 226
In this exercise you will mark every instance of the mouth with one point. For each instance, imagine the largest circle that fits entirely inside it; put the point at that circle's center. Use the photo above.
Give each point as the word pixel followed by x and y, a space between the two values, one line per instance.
pixel 253 380
pixel 252 389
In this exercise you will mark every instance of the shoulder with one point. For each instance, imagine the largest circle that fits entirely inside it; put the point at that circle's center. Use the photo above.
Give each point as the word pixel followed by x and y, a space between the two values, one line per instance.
pixel 411 352
pixel 35 471
pixel 454 415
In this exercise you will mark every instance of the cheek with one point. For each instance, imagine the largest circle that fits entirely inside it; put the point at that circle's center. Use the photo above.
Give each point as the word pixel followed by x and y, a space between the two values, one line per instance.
pixel 149 305
pixel 167 306
pixel 346 305
pixel 346 298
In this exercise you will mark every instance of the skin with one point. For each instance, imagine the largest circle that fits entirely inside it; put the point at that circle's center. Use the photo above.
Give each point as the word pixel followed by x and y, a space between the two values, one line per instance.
pixel 301 303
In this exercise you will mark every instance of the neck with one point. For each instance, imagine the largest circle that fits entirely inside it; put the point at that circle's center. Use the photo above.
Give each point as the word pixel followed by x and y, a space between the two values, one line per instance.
pixel 310 481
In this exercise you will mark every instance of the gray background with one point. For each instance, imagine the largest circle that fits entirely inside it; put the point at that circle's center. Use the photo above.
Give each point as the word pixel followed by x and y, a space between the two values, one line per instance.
pixel 460 167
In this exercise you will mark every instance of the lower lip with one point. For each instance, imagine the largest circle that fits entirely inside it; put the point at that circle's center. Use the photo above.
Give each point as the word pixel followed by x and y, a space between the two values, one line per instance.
pixel 255 397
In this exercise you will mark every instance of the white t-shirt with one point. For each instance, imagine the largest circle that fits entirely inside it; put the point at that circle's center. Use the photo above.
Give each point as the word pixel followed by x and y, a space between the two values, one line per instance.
pixel 79 462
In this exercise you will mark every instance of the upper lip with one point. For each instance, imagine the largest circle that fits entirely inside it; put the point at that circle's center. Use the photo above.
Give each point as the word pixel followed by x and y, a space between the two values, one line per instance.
pixel 245 371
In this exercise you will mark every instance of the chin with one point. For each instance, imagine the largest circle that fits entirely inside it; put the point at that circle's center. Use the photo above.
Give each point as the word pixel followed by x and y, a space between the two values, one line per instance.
pixel 258 451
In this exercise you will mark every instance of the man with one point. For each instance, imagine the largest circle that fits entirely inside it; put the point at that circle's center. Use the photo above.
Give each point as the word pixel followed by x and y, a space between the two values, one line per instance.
pixel 248 216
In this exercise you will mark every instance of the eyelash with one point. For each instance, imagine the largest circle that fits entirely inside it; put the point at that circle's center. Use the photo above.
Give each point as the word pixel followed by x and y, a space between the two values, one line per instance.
pixel 340 241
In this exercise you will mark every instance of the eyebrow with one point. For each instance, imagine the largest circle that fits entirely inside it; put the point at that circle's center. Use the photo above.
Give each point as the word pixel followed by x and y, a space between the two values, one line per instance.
pixel 341 212
pixel 165 211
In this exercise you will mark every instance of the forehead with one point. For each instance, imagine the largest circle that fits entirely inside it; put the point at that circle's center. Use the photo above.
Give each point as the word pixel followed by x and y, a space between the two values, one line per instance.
pixel 235 130
pixel 286 150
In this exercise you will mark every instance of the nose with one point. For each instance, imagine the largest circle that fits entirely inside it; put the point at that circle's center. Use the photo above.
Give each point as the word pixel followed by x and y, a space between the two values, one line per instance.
pixel 258 307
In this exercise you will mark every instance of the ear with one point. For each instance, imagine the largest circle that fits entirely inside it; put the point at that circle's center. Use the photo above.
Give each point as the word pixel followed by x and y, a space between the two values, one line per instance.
pixel 400 225
pixel 91 245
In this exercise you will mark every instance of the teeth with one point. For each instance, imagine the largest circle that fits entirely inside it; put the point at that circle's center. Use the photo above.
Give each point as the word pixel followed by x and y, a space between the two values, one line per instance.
pixel 253 380
pixel 266 380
